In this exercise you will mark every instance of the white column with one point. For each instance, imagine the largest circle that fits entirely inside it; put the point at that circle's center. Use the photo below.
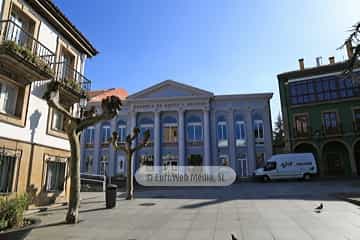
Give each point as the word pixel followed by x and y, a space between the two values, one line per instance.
pixel 207 149
pixel 251 157
pixel 157 157
pixel 132 126
pixel 97 148
pixel 181 139
pixel 267 132
pixel 112 157
pixel 232 139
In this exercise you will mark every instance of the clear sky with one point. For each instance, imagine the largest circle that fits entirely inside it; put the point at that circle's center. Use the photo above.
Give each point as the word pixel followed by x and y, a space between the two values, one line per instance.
pixel 223 46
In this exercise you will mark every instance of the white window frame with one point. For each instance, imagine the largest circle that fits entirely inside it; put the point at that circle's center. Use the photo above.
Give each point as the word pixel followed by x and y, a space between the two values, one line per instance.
pixel 122 127
pixel 105 140
pixel 4 98
pixel 259 140
pixel 192 138
pixel 243 161
pixel 222 142
pixel 90 138
pixel 171 126
pixel 240 141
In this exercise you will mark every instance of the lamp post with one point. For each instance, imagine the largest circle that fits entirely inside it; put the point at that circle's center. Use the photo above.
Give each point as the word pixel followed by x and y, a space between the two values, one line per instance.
pixel 83 103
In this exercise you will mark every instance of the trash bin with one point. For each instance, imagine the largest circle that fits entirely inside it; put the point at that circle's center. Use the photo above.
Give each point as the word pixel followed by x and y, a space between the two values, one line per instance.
pixel 110 196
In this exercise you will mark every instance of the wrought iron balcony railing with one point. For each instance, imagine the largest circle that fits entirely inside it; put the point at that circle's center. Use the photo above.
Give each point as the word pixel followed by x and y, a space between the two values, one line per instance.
pixel 71 78
pixel 302 133
pixel 332 130
pixel 22 42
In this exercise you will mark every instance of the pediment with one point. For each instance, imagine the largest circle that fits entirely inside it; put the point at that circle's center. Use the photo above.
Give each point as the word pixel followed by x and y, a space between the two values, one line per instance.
pixel 169 89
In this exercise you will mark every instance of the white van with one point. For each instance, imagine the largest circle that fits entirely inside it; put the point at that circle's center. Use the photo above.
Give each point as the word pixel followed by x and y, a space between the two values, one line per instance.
pixel 292 165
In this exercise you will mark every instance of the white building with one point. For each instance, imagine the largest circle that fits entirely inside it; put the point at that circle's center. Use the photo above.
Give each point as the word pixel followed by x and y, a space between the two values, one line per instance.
pixel 189 126
pixel 38 44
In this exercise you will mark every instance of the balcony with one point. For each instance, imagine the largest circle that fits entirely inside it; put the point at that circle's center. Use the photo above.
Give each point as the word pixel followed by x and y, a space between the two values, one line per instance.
pixel 73 83
pixel 332 131
pixel 22 57
pixel 302 133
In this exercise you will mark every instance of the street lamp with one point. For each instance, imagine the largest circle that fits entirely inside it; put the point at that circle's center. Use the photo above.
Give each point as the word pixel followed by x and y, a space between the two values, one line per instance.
pixel 83 103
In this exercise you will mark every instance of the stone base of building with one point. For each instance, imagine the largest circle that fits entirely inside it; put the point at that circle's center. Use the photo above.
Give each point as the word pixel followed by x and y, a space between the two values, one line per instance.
pixel 28 166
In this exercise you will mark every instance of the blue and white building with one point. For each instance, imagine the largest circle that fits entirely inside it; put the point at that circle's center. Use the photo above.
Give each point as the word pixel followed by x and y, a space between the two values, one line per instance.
pixel 189 126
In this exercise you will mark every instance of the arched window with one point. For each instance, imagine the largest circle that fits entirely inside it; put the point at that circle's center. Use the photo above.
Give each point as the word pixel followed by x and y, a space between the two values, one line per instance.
pixel 222 132
pixel 105 134
pixel 146 123
pixel 169 130
pixel 121 131
pixel 194 129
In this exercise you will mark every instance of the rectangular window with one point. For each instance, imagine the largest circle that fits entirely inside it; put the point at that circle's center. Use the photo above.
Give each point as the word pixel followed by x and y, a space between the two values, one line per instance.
pixel 8 98
pixel 55 179
pixel 90 135
pixel 301 125
pixel 7 168
pixel 330 123
pixel 103 164
pixel 122 133
pixel 222 134
pixel 240 132
pixel 259 131
pixel 170 134
pixel 57 121
pixel 105 134
pixel 89 163
pixel 120 163
pixel 194 132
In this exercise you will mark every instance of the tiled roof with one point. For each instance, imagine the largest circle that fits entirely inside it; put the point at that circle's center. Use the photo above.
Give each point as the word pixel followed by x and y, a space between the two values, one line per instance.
pixel 98 95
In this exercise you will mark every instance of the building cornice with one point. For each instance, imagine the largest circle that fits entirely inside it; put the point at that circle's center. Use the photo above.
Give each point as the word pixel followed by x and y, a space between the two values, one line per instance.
pixel 63 25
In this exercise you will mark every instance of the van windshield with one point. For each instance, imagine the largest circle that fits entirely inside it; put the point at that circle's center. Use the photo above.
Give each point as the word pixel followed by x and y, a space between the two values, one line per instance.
pixel 270 166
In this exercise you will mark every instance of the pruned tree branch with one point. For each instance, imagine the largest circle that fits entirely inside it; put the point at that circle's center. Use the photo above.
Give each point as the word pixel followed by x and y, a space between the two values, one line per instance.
pixel 115 143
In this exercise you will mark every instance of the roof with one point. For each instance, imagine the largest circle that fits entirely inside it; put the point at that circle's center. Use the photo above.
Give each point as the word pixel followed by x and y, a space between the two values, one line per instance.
pixel 308 72
pixel 62 24
pixel 98 95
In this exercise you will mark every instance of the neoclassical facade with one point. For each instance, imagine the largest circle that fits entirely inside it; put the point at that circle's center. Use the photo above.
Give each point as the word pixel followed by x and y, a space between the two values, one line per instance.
pixel 188 126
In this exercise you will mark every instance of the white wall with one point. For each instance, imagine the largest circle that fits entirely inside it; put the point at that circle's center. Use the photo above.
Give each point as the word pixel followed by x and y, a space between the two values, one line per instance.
pixel 47 36
pixel 1 8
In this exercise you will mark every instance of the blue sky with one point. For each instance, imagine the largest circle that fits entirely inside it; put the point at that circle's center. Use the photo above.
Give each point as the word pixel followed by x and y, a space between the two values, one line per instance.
pixel 223 46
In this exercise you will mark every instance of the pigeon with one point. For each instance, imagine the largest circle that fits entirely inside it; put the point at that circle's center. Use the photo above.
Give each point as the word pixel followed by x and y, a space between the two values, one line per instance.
pixel 319 208
pixel 233 237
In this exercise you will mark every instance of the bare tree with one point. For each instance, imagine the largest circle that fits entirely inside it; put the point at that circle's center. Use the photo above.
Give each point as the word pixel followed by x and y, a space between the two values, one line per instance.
pixel 73 127
pixel 130 148
pixel 353 42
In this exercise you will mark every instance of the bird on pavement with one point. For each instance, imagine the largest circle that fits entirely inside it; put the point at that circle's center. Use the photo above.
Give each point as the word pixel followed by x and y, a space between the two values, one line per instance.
pixel 233 237
pixel 319 208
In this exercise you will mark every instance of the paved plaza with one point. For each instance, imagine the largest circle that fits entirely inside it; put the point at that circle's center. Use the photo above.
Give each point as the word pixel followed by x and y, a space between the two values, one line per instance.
pixel 277 210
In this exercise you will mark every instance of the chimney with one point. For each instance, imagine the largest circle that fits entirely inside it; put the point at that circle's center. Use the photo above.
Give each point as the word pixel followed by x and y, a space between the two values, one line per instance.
pixel 301 64
pixel 331 60
pixel 318 61
pixel 349 48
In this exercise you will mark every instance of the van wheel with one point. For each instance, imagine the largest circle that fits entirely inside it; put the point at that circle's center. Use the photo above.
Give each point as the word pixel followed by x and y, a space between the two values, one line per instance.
pixel 266 178
pixel 307 177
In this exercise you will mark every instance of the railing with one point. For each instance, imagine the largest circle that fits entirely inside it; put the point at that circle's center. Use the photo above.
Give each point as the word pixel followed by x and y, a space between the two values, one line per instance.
pixel 88 179
pixel 67 75
pixel 25 42
pixel 329 130
pixel 302 133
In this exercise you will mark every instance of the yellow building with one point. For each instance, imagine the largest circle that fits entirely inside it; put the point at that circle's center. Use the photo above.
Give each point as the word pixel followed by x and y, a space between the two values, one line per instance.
pixel 38 44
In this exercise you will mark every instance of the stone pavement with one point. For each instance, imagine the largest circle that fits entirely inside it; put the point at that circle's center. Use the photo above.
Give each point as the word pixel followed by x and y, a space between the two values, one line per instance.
pixel 278 210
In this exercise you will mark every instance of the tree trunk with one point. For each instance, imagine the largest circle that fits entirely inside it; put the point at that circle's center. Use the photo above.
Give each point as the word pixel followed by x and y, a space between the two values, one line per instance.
pixel 72 216
pixel 129 179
